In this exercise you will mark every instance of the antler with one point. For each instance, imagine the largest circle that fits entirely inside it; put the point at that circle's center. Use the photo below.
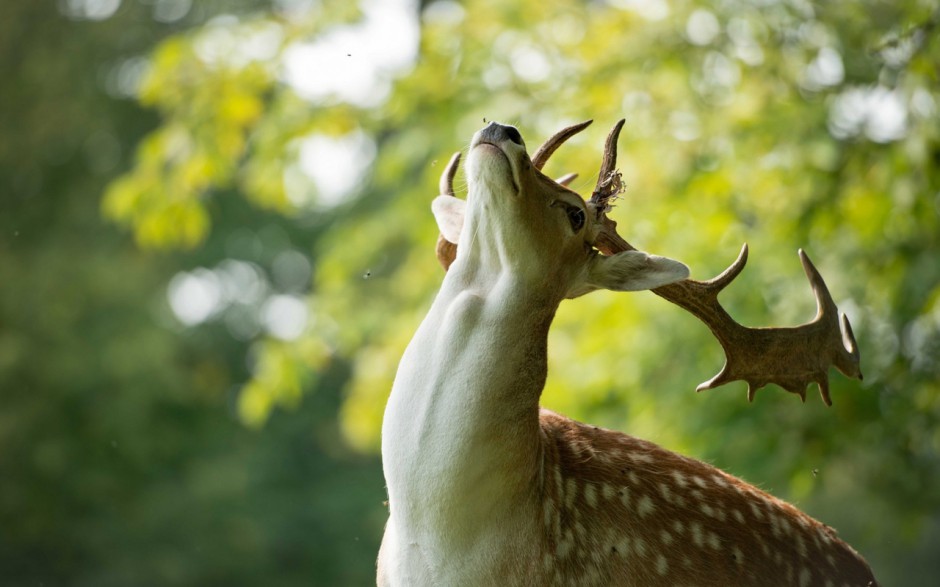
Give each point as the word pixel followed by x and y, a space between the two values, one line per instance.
pixel 552 143
pixel 790 357
pixel 446 250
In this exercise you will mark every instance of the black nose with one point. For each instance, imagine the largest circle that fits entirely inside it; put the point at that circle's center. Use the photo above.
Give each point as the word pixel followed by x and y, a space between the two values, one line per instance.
pixel 496 133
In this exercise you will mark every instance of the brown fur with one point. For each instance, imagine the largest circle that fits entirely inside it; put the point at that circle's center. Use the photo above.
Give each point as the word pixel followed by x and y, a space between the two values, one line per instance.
pixel 623 511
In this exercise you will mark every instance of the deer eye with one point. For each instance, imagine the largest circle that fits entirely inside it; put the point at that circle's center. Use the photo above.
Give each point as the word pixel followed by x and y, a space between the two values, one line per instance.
pixel 576 218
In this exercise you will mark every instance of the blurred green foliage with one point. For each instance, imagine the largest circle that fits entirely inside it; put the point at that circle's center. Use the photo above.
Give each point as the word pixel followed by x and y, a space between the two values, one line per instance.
pixel 784 124
pixel 123 456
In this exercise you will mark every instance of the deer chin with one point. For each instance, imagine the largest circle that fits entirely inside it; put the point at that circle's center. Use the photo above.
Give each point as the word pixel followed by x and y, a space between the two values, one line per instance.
pixel 490 164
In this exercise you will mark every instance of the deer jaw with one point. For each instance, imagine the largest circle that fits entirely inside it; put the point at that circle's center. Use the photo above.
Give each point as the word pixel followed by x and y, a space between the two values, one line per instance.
pixel 518 222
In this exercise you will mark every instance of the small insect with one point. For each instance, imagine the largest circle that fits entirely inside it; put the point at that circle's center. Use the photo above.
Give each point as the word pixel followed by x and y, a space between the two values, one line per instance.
pixel 484 120
pixel 815 472
pixel 367 274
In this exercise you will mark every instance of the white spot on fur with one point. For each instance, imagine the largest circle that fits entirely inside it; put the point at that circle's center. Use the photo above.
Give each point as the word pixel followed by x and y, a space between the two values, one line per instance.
pixel 640 457
pixel 564 545
pixel 738 516
pixel 805 576
pixel 608 491
pixel 816 540
pixel 645 506
pixel 639 545
pixel 662 565
pixel 678 526
pixel 590 495
pixel 666 492
pixel 707 510
pixel 575 447
pixel 681 481
pixel 738 555
pixel 625 496
pixel 699 481
pixel 713 541
pixel 697 537
pixel 571 492
pixel 623 547
pixel 666 537
pixel 720 481
pixel 775 525
pixel 579 529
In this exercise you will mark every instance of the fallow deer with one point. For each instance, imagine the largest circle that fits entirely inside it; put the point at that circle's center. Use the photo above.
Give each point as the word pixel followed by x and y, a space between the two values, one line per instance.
pixel 485 488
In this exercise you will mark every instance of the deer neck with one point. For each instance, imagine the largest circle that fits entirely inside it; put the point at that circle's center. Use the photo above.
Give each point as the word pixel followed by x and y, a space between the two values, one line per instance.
pixel 461 432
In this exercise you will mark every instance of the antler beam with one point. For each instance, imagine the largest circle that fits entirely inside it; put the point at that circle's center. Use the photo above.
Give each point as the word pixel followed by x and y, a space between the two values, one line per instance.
pixel 556 140
pixel 790 357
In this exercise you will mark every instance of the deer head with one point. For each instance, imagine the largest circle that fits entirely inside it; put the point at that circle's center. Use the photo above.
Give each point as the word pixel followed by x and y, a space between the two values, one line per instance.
pixel 550 236
pixel 520 221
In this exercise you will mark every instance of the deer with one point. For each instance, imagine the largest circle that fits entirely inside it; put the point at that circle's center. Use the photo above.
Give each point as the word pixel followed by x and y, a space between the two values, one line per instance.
pixel 487 488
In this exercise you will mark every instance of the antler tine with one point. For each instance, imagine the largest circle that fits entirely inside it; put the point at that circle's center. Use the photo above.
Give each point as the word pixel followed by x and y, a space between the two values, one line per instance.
pixel 566 179
pixel 824 304
pixel 846 357
pixel 608 180
pixel 720 281
pixel 447 251
pixel 553 142
pixel 446 184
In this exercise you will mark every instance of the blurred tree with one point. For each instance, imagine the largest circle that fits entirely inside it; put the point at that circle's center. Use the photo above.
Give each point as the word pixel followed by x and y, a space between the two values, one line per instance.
pixel 122 458
pixel 783 124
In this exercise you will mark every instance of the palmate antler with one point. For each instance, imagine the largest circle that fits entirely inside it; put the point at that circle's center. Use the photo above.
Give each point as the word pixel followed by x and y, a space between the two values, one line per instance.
pixel 791 357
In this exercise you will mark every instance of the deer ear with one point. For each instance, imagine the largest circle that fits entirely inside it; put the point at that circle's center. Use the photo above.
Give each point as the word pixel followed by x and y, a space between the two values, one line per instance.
pixel 449 213
pixel 629 271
